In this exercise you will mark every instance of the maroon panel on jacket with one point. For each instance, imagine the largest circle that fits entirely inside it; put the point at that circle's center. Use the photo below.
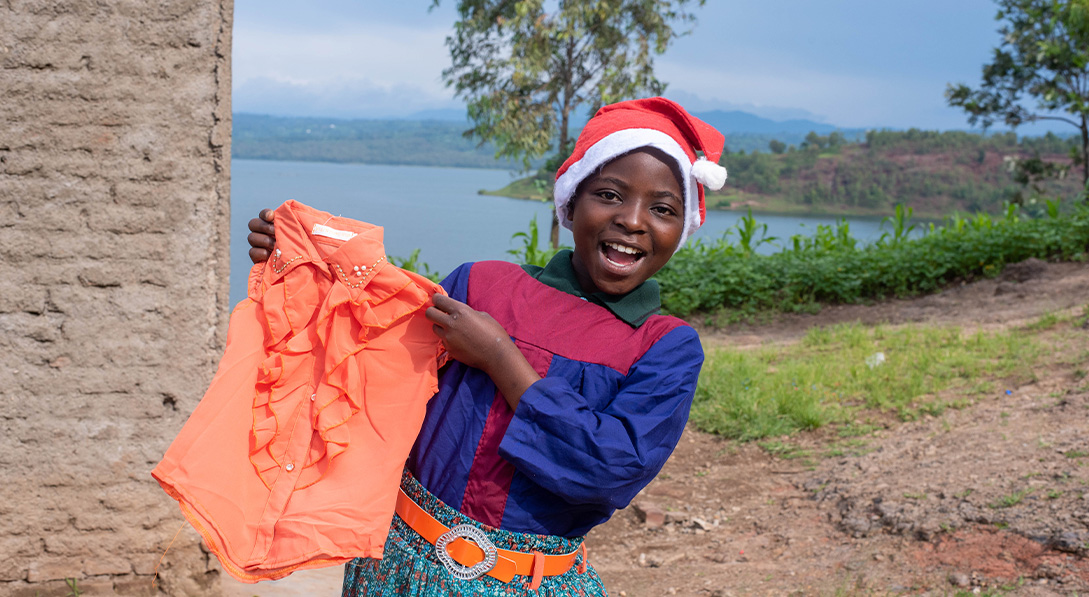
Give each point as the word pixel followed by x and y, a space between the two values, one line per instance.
pixel 486 491
pixel 545 317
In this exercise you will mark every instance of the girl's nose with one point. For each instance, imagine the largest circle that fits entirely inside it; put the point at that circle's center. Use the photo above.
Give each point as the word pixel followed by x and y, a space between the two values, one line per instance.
pixel 631 216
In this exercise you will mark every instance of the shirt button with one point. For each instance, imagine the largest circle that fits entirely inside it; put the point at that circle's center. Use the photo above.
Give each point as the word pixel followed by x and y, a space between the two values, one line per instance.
pixel 290 467
pixel 313 396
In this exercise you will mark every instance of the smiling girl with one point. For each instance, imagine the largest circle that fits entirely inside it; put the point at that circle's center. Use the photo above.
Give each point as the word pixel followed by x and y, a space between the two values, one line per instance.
pixel 567 391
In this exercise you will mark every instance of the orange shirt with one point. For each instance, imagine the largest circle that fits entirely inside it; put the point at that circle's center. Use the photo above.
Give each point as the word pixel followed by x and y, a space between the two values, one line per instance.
pixel 293 457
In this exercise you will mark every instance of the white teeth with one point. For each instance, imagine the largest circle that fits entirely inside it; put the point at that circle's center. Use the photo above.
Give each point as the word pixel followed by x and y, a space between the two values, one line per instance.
pixel 623 249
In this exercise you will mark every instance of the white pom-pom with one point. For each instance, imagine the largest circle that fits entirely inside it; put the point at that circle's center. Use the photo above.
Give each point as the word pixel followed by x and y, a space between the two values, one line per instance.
pixel 709 174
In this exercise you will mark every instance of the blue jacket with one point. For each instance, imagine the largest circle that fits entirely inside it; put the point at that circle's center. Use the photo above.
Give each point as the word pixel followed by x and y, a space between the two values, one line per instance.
pixel 586 438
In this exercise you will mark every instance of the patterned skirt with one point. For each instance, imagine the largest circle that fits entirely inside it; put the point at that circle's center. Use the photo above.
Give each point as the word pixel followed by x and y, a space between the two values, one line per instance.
pixel 410 566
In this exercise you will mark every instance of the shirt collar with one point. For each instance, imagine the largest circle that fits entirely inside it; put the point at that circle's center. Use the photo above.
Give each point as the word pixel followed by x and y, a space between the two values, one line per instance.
pixel 352 256
pixel 633 308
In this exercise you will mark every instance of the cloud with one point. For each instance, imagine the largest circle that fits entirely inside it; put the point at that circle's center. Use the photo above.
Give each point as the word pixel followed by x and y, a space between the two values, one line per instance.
pixel 845 100
pixel 350 70
pixel 338 98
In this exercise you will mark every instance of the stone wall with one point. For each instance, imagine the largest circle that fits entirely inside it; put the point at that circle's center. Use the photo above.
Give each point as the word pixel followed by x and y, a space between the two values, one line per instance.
pixel 114 204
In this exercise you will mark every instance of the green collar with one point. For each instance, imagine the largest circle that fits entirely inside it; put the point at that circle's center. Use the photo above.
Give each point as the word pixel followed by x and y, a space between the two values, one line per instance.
pixel 632 308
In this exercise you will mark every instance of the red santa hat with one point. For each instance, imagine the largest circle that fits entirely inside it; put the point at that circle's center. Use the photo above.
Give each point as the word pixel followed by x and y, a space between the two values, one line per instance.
pixel 656 122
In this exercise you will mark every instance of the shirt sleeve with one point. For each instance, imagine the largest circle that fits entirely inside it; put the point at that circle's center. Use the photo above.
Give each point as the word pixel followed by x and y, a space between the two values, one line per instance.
pixel 606 456
pixel 456 283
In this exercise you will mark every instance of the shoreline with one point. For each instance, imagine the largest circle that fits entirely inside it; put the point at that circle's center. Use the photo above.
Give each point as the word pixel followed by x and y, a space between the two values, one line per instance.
pixel 757 208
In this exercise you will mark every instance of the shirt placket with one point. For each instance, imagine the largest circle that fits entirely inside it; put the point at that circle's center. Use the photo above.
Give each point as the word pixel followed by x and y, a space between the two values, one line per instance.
pixel 291 462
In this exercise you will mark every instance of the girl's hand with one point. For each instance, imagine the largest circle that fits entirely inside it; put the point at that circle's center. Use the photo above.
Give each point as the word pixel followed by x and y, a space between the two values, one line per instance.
pixel 262 238
pixel 478 340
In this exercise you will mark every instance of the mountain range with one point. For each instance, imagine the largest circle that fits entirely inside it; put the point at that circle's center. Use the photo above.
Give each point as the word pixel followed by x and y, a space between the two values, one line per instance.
pixel 727 121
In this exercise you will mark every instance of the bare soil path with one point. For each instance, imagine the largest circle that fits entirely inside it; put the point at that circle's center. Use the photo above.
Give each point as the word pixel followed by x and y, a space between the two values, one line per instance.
pixel 990 499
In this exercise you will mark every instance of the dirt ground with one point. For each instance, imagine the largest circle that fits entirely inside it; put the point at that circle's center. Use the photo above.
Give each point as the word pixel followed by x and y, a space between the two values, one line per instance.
pixel 991 499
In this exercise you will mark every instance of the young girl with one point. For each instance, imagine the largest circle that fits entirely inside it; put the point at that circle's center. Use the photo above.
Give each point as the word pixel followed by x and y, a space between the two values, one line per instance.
pixel 567 392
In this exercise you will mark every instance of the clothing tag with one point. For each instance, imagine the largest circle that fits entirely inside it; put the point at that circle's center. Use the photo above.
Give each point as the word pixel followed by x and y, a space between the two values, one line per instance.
pixel 323 230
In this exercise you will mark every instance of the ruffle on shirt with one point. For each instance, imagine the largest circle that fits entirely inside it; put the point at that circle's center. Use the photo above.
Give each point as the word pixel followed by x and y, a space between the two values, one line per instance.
pixel 308 315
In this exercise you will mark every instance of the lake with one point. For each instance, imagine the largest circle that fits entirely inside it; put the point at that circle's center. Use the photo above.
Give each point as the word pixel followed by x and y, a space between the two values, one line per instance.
pixel 436 210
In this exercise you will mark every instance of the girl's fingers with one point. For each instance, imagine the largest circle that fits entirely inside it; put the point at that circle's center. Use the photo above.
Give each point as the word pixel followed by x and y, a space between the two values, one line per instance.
pixel 259 226
pixel 257 240
pixel 444 311
pixel 443 302
pixel 259 255
pixel 439 317
pixel 450 306
pixel 262 237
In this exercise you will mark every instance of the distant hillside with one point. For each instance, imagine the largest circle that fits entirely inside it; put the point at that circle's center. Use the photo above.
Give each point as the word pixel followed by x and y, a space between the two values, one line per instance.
pixel 400 142
pixel 936 173
pixel 434 138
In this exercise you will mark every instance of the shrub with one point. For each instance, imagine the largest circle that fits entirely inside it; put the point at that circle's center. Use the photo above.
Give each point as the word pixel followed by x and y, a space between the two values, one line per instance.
pixel 831 267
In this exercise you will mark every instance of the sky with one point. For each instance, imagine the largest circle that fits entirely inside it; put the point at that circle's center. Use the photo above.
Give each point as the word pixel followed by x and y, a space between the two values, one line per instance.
pixel 850 63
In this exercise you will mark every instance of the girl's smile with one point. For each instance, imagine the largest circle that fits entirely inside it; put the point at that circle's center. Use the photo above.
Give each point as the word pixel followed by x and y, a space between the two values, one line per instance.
pixel 627 221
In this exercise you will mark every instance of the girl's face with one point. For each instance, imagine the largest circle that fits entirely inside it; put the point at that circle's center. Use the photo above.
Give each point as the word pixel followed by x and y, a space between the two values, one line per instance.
pixel 627 221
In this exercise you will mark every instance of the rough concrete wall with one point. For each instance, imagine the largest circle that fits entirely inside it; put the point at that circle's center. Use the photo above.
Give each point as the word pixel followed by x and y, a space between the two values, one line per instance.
pixel 114 183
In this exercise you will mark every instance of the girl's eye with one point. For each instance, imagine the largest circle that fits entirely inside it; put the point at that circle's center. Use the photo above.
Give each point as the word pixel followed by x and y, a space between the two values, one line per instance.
pixel 664 210
pixel 608 195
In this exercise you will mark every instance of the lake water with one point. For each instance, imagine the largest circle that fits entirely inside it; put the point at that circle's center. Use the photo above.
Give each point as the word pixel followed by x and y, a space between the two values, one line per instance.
pixel 436 210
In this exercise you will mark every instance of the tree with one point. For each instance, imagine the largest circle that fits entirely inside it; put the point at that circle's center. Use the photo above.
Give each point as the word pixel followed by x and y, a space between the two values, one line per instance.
pixel 814 141
pixel 776 146
pixel 526 73
pixel 1040 72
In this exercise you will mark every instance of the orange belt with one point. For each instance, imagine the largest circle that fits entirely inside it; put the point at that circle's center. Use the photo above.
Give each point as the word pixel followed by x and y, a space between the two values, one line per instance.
pixel 467 560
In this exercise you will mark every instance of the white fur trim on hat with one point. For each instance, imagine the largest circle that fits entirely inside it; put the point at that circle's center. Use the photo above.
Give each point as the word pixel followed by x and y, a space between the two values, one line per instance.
pixel 617 144
pixel 709 174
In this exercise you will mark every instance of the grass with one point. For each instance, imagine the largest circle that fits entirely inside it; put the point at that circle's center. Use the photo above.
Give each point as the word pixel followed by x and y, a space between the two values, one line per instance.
pixel 825 380
pixel 784 450
pixel 1012 499
pixel 1045 322
pixel 1083 319
pixel 524 188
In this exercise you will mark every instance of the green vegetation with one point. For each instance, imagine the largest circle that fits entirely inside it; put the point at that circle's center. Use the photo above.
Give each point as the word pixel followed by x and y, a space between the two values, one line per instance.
pixel 525 68
pixel 530 253
pixel 724 278
pixel 826 379
pixel 413 263
pixel 537 187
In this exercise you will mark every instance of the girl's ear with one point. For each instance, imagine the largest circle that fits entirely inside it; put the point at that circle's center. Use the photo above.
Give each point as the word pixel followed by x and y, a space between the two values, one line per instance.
pixel 571 210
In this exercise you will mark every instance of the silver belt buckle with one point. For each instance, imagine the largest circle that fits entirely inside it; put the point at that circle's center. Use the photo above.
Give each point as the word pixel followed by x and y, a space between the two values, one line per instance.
pixel 465 531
